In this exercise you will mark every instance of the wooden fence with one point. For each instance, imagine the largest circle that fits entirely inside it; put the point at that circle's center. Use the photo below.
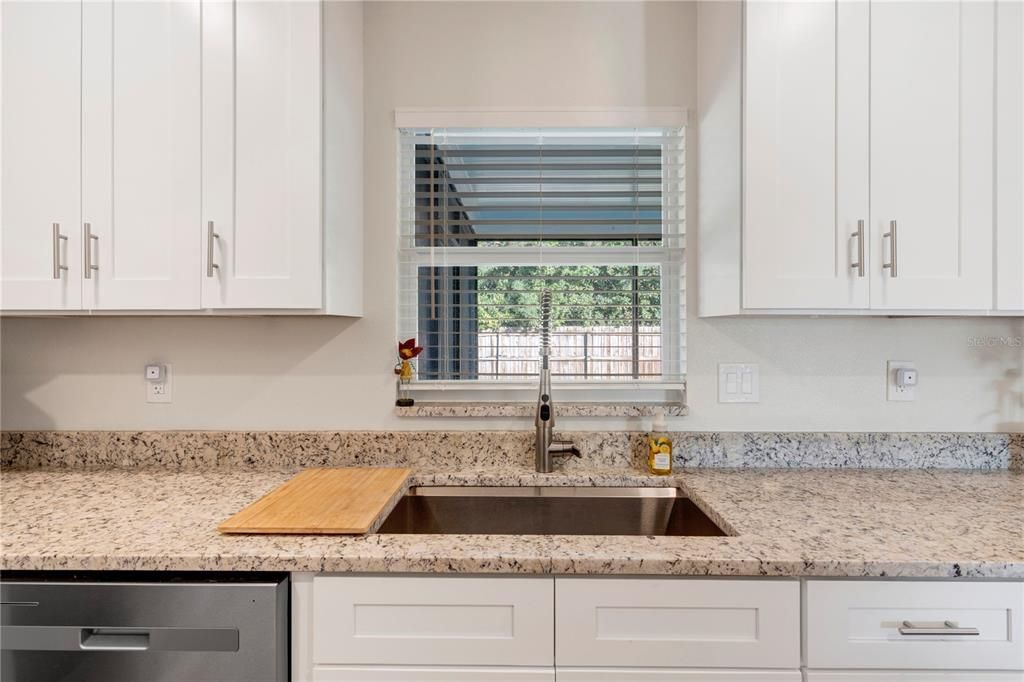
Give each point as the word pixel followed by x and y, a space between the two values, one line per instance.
pixel 590 352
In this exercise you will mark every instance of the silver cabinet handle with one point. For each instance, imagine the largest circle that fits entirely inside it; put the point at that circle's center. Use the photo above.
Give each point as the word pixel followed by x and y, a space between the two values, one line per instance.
pixel 57 237
pixel 948 628
pixel 87 238
pixel 859 236
pixel 210 237
pixel 893 250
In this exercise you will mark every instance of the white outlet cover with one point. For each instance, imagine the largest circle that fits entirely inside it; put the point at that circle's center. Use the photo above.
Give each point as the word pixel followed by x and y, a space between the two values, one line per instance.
pixel 738 383
pixel 160 391
pixel 893 391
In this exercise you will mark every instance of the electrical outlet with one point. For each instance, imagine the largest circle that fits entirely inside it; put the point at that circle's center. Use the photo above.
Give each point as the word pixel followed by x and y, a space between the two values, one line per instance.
pixel 159 390
pixel 900 386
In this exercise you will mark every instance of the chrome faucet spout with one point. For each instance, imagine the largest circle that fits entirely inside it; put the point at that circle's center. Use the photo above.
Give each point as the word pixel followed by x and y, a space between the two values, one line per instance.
pixel 544 419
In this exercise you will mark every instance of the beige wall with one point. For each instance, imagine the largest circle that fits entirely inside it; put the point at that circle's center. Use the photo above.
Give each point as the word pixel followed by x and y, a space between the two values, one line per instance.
pixel 306 373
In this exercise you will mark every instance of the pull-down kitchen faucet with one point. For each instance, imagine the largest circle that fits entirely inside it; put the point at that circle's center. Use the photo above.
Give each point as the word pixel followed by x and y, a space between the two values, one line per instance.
pixel 546 446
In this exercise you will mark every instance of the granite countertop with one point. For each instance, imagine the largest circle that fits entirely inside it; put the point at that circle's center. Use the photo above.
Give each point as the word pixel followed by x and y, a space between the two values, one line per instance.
pixel 910 523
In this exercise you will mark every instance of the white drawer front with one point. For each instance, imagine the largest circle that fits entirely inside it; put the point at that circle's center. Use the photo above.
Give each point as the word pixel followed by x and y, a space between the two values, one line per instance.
pixel 666 622
pixel 430 674
pixel 855 624
pixel 433 621
pixel 674 675
pixel 911 676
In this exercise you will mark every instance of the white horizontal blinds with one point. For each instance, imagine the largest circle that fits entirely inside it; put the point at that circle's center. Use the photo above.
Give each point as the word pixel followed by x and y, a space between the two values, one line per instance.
pixel 491 217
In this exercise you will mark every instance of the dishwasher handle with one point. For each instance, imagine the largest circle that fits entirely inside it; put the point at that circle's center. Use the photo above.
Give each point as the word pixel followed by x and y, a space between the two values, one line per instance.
pixel 114 639
pixel 76 638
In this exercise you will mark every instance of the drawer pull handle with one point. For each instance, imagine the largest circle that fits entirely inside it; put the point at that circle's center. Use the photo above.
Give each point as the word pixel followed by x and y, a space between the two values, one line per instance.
pixel 948 628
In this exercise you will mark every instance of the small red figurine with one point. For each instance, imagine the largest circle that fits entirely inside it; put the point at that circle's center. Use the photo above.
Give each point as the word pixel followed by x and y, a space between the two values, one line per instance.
pixel 407 350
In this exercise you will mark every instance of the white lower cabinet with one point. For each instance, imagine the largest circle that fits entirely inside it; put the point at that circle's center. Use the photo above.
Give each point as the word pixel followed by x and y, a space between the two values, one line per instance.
pixel 422 628
pixel 911 676
pixel 445 628
pixel 672 622
pixel 326 673
pixel 872 624
pixel 674 675
pixel 392 628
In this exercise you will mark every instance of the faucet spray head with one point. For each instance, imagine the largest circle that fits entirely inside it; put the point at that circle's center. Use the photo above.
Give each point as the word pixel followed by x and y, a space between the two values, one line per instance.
pixel 545 322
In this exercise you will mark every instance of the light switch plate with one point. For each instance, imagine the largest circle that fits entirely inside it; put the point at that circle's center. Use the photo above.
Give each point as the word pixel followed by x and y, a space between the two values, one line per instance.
pixel 893 391
pixel 738 383
pixel 159 391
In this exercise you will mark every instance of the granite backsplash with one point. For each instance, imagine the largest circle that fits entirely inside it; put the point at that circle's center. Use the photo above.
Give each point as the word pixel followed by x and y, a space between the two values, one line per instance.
pixel 482 449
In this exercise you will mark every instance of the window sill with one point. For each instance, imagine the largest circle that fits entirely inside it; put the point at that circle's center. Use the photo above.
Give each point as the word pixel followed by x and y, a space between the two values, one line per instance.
pixel 527 409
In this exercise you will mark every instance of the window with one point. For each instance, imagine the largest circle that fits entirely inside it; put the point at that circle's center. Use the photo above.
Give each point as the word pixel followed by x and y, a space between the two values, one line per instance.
pixel 491 217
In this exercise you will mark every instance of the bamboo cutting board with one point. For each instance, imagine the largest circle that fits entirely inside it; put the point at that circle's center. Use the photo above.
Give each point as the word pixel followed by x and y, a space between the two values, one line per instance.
pixel 324 501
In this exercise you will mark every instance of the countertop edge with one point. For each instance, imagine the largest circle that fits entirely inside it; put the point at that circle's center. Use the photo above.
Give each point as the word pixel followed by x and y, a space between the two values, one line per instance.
pixel 554 566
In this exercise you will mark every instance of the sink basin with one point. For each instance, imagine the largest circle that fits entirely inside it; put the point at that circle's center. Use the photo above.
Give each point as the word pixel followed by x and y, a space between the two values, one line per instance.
pixel 548 511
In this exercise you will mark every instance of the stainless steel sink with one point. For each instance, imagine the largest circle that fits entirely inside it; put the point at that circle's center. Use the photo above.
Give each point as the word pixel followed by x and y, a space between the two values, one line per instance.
pixel 548 511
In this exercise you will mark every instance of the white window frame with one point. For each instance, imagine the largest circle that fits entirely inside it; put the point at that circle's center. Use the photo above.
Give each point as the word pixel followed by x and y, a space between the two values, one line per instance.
pixel 673 392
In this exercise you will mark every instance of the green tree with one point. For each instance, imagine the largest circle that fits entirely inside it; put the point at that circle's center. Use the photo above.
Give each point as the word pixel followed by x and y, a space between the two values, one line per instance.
pixel 582 295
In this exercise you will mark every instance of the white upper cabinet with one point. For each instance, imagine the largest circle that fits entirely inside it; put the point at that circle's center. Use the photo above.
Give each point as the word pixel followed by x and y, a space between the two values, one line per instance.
pixel 169 155
pixel 41 227
pixel 1010 155
pixel 141 155
pixel 262 206
pixel 805 172
pixel 878 165
pixel 932 145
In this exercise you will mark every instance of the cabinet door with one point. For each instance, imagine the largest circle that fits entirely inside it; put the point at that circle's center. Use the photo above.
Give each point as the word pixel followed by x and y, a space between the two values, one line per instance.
pixel 1010 155
pixel 669 623
pixel 261 154
pixel 40 156
pixel 674 675
pixel 432 621
pixel 888 624
pixel 141 154
pixel 910 676
pixel 805 175
pixel 932 154
pixel 324 673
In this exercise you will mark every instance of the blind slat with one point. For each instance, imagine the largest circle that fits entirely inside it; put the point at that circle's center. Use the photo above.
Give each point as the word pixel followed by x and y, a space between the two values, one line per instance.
pixel 546 180
pixel 611 194
pixel 588 222
pixel 533 151
pixel 541 167
pixel 520 208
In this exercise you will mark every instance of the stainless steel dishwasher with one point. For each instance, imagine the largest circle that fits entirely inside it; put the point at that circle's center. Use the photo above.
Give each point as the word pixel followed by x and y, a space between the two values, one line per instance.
pixel 143 627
